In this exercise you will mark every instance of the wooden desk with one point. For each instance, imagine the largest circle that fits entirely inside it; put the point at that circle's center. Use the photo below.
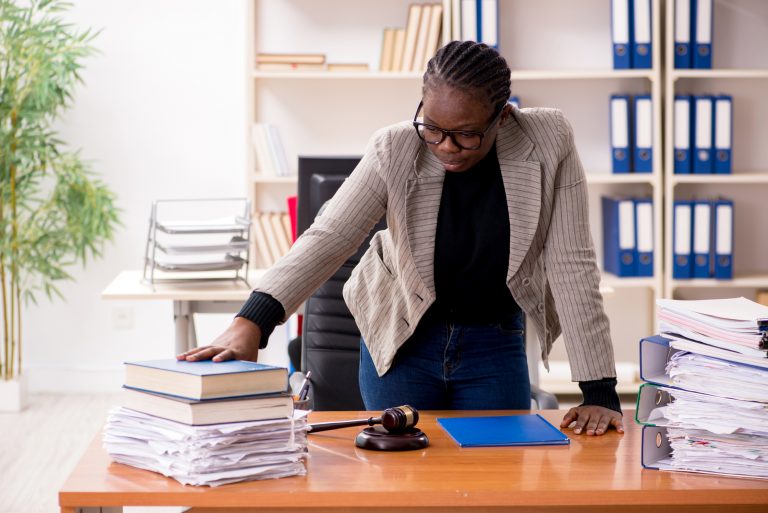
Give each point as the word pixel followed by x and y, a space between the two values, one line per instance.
pixel 188 299
pixel 592 474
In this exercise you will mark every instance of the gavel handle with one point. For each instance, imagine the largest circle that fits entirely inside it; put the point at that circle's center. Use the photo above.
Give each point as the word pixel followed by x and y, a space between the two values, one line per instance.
pixel 325 426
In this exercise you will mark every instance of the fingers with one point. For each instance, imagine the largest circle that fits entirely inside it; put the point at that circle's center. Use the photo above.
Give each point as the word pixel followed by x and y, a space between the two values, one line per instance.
pixel 226 354
pixel 618 423
pixel 602 425
pixel 201 353
pixel 569 417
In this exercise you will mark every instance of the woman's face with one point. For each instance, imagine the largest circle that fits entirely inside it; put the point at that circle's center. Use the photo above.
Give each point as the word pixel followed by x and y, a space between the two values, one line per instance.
pixel 454 109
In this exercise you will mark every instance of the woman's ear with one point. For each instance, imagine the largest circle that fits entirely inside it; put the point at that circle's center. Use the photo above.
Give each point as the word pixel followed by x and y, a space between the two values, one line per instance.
pixel 506 112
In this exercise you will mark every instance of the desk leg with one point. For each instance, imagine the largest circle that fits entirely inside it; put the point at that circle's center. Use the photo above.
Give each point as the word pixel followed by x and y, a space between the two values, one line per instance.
pixel 182 317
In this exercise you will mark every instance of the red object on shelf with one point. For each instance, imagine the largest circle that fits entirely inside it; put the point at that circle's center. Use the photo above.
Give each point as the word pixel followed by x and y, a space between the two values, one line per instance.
pixel 292 213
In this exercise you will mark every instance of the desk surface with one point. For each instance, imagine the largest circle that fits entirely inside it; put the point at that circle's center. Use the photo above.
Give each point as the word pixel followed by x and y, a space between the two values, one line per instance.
pixel 129 285
pixel 592 474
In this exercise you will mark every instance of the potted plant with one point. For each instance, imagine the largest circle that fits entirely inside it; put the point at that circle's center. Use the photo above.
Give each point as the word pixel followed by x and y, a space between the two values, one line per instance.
pixel 53 212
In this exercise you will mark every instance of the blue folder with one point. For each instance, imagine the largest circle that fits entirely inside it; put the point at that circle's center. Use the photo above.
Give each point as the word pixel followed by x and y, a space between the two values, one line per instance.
pixel 723 137
pixel 619 250
pixel 682 238
pixel 500 431
pixel 642 55
pixel 723 239
pixel 620 133
pixel 642 157
pixel 682 133
pixel 683 34
pixel 644 236
pixel 702 239
pixel 621 33
pixel 702 134
pixel 701 33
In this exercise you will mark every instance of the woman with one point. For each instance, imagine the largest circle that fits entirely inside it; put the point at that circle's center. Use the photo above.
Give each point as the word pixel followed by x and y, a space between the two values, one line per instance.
pixel 486 211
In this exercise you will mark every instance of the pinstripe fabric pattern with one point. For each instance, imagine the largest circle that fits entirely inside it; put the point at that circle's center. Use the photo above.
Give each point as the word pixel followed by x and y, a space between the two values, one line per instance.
pixel 552 272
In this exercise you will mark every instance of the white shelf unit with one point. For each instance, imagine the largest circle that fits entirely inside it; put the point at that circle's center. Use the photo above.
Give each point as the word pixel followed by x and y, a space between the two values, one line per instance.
pixel 740 68
pixel 561 56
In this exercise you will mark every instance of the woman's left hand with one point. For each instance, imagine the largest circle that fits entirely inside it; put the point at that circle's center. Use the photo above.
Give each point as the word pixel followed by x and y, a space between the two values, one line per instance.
pixel 595 419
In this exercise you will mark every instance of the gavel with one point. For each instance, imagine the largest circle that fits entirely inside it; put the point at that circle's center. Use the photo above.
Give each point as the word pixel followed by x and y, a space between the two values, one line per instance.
pixel 397 420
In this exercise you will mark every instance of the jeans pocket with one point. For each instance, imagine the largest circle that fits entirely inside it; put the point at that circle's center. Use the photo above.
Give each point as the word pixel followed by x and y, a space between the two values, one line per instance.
pixel 511 327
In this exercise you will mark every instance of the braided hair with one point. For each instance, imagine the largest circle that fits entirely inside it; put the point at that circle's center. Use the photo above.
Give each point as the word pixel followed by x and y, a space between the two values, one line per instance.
pixel 472 67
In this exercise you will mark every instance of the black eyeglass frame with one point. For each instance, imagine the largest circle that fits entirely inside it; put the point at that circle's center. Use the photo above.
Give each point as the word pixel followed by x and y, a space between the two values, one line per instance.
pixel 450 133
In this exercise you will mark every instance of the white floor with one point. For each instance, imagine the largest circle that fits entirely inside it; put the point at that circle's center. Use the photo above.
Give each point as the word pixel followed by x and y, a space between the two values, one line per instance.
pixel 40 446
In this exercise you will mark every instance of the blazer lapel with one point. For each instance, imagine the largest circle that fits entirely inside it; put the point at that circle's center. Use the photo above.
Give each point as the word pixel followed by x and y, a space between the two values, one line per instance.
pixel 422 204
pixel 522 184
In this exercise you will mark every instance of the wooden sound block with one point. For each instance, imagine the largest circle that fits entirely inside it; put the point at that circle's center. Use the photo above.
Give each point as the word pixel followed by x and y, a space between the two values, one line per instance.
pixel 377 438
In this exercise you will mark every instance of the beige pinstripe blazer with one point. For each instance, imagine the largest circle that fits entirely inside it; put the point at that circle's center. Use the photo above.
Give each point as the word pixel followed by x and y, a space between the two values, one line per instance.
pixel 552 272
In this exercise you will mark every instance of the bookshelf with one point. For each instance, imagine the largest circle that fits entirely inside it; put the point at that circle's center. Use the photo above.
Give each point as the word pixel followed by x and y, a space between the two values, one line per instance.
pixel 320 113
pixel 739 68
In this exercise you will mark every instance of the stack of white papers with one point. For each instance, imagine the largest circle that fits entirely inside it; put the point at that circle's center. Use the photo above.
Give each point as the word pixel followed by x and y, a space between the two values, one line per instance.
pixel 717 419
pixel 209 455
pixel 730 324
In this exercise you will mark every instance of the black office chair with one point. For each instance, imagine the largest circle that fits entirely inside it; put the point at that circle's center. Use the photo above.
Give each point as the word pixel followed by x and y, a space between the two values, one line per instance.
pixel 330 340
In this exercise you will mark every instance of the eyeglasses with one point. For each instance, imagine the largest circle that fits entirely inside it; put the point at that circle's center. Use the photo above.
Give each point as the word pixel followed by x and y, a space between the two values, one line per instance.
pixel 464 139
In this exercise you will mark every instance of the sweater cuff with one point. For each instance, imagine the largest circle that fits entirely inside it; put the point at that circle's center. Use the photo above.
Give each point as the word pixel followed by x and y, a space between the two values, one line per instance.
pixel 264 311
pixel 601 392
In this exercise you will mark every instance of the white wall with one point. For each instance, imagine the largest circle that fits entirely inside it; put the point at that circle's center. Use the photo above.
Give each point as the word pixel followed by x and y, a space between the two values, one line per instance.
pixel 161 115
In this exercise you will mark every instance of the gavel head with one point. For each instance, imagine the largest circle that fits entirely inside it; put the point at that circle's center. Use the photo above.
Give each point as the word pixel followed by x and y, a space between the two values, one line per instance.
pixel 399 419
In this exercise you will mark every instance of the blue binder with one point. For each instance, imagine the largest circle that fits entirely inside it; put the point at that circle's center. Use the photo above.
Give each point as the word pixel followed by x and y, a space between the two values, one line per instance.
pixel 502 431
pixel 619 124
pixel 723 133
pixel 621 26
pixel 701 33
pixel 702 134
pixel 641 33
pixel 682 227
pixel 683 34
pixel 723 239
pixel 702 239
pixel 644 236
pixel 619 253
pixel 643 146
pixel 488 22
pixel 682 133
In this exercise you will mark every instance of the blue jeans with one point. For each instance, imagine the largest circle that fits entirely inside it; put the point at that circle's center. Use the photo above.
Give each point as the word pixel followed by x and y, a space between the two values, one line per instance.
pixel 453 367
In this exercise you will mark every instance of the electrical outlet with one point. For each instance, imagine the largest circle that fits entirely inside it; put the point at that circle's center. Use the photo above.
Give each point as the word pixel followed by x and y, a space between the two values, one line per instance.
pixel 122 317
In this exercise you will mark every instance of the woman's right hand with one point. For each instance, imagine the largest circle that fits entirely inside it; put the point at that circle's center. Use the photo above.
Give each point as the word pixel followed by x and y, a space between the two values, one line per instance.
pixel 240 341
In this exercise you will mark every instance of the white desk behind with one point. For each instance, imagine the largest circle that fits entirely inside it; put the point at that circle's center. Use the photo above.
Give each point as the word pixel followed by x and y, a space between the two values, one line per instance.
pixel 189 298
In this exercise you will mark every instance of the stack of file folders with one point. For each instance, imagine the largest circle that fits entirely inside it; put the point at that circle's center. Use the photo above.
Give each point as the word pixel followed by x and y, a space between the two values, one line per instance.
pixel 693 34
pixel 702 239
pixel 704 403
pixel 224 437
pixel 703 134
pixel 632 34
pixel 631 123
pixel 628 237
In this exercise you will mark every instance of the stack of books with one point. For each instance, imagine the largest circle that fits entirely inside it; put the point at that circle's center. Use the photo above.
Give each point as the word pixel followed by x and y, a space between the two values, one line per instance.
pixel 704 406
pixel 410 48
pixel 206 423
pixel 274 236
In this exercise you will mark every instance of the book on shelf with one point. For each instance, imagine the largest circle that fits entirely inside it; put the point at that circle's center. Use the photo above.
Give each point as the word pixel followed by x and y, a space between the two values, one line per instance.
pixel 348 67
pixel 290 58
pixel 432 40
pixel 411 34
pixel 397 51
pixel 281 235
pixel 285 219
pixel 205 379
pixel 387 49
pixel 290 66
pixel 270 152
pixel 273 247
pixel 264 257
pixel 210 411
pixel 420 46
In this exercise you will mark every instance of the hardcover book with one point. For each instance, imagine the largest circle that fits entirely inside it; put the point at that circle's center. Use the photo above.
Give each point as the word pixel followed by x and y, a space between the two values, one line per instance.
pixel 205 379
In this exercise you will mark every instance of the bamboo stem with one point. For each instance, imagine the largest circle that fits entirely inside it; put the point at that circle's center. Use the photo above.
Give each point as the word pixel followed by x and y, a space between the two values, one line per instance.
pixel 14 249
pixel 18 324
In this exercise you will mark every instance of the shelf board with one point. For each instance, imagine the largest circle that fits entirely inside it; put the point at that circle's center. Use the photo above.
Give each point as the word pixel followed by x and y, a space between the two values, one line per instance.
pixel 719 73
pixel 746 280
pixel 742 178
pixel 257 178
pixel 593 74
pixel 610 281
pixel 609 178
